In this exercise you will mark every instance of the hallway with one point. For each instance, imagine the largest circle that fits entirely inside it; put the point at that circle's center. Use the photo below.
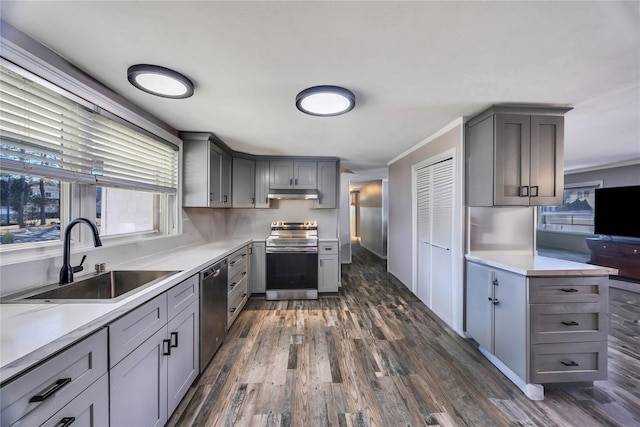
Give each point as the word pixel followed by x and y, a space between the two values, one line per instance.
pixel 376 356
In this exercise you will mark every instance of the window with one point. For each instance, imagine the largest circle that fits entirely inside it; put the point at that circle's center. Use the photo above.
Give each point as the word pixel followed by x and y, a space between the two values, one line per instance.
pixel 576 213
pixel 54 146
pixel 29 209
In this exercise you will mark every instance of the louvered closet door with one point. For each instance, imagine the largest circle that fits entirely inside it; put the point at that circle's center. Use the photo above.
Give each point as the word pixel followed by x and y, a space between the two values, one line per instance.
pixel 425 213
pixel 435 209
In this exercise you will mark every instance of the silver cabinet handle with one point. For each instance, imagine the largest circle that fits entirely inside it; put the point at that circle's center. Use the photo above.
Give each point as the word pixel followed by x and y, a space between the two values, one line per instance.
pixel 435 246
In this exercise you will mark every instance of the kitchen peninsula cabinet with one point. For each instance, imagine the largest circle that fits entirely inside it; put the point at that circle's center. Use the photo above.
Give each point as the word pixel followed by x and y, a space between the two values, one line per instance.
pixel 543 323
pixel 293 174
pixel 496 317
pixel 207 171
pixel 515 157
pixel 154 357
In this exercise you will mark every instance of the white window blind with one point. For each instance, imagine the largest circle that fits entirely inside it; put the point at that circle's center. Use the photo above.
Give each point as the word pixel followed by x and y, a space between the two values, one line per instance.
pixel 44 133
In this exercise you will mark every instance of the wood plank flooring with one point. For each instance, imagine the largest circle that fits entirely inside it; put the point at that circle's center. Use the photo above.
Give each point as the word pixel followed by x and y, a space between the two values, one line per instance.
pixel 376 356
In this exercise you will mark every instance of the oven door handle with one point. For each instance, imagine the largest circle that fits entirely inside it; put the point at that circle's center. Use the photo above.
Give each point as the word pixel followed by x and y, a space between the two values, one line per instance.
pixel 285 250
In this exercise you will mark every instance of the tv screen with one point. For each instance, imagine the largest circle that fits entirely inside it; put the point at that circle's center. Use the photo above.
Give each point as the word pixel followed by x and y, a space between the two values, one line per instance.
pixel 616 211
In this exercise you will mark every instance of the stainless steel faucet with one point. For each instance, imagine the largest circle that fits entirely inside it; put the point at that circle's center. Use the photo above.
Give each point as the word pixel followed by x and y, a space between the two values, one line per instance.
pixel 66 272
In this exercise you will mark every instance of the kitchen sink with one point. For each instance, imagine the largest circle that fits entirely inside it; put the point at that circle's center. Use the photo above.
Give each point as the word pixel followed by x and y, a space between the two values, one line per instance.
pixel 109 286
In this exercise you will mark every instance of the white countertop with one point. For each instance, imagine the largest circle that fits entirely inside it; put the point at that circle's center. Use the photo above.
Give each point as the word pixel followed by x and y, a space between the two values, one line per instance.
pixel 534 265
pixel 31 332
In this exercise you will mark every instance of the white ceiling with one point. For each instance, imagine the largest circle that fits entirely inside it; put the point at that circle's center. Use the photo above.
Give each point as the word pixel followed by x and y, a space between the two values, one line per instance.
pixel 414 67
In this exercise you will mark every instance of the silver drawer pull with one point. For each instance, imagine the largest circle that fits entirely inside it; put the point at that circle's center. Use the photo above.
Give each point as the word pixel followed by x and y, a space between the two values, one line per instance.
pixel 569 363
pixel 572 323
pixel 66 421
pixel 51 390
pixel 569 290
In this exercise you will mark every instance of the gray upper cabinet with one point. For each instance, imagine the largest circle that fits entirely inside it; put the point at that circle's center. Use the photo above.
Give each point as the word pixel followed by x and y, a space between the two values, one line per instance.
pixel 515 157
pixel 244 183
pixel 262 184
pixel 288 174
pixel 207 172
pixel 327 184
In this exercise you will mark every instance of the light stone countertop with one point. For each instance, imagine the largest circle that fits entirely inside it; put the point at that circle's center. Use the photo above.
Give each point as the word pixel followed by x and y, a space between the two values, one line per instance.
pixel 30 333
pixel 534 265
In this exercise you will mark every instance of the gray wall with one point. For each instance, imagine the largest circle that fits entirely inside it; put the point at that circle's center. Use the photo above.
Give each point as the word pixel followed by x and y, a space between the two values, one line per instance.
pixel 610 177
pixel 372 221
pixel 400 255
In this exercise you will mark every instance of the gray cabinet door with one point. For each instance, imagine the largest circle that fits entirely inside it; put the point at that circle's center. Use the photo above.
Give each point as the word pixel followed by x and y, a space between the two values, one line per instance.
pixel 244 182
pixel 328 273
pixel 327 185
pixel 479 305
pixel 183 365
pixel 258 270
pixel 225 180
pixel 196 179
pixel 89 409
pixel 510 321
pixel 262 184
pixel 281 174
pixel 512 159
pixel 547 160
pixel 215 177
pixel 138 385
pixel 305 175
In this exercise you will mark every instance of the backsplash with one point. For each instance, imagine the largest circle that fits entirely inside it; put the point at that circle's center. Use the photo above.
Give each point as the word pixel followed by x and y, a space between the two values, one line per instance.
pixel 200 225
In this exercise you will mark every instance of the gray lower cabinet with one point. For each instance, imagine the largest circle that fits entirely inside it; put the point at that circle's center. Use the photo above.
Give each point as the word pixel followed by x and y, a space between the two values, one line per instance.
pixel 258 273
pixel 89 409
pixel 328 267
pixel 496 315
pixel 550 329
pixel 60 387
pixel 147 383
pixel 238 282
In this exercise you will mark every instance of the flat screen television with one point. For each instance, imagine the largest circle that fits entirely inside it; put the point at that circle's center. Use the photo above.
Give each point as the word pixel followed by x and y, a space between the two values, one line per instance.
pixel 617 212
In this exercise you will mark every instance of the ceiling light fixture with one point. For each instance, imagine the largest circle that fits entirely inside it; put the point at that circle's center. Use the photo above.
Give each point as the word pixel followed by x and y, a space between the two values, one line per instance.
pixel 325 101
pixel 160 81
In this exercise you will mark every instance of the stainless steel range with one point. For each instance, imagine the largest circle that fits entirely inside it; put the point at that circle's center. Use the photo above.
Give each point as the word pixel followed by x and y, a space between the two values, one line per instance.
pixel 292 260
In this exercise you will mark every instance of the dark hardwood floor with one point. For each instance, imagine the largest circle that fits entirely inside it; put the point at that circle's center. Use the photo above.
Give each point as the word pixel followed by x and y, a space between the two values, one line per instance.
pixel 376 356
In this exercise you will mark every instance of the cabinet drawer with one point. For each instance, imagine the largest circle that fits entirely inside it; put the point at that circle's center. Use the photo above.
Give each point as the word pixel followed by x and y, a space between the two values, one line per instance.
pixel 90 408
pixel 556 323
pixel 235 281
pixel 182 295
pixel 328 248
pixel 238 289
pixel 235 305
pixel 568 289
pixel 237 262
pixel 573 362
pixel 54 382
pixel 134 328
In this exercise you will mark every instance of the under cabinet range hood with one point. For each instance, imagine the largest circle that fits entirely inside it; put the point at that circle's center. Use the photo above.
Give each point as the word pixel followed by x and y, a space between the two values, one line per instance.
pixel 293 194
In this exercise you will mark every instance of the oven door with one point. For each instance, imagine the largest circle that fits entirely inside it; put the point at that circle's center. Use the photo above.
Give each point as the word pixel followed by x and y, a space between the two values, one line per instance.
pixel 291 275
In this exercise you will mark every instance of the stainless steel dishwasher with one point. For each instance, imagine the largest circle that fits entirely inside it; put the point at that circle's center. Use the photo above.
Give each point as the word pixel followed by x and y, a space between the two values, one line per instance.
pixel 213 310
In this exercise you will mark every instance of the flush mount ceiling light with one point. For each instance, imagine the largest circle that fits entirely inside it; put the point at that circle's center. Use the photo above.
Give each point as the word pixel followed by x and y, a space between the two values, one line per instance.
pixel 325 101
pixel 160 81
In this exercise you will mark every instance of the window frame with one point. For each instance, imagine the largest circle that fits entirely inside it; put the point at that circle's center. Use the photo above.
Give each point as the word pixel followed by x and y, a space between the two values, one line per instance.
pixel 586 184
pixel 75 198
